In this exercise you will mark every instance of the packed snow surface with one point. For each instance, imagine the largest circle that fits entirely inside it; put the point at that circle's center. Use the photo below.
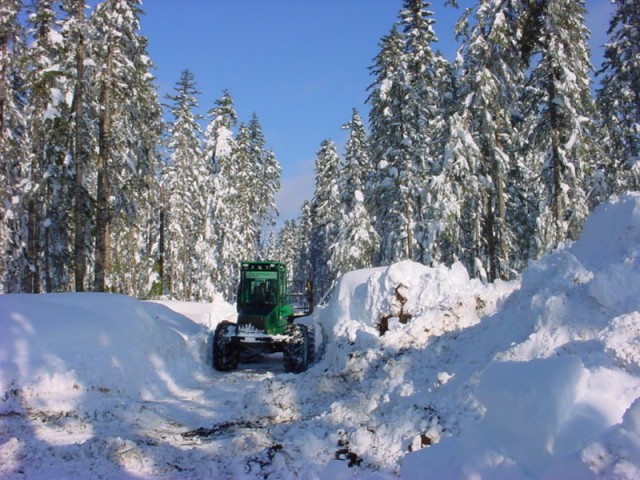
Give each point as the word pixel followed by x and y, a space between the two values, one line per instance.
pixel 423 373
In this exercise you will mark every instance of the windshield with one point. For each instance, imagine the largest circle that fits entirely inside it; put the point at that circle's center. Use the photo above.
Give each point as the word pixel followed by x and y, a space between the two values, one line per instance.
pixel 258 288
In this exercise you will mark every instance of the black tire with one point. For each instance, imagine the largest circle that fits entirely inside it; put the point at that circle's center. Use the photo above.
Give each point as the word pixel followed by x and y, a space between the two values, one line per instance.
pixel 311 344
pixel 225 354
pixel 296 349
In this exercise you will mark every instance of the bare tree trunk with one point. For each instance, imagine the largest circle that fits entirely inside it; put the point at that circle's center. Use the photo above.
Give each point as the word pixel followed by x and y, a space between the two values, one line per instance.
pixel 4 54
pixel 409 232
pixel 32 274
pixel 490 236
pixel 80 160
pixel 501 208
pixel 499 213
pixel 103 254
pixel 556 162
pixel 161 248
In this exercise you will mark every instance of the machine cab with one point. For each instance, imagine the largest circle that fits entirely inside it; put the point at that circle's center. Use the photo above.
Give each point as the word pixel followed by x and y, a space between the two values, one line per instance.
pixel 262 287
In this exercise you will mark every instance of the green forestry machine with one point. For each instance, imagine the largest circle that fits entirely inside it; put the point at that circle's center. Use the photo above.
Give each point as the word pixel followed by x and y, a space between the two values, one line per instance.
pixel 267 313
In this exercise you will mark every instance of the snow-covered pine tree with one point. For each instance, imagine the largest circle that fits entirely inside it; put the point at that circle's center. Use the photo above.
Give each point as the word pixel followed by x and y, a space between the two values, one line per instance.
pixel 454 207
pixel 562 145
pixel 186 199
pixel 246 178
pixel 357 242
pixel 82 137
pixel 289 245
pixel 257 183
pixel 129 125
pixel 492 77
pixel 225 225
pixel 219 136
pixel 391 197
pixel 243 195
pixel 49 181
pixel 13 148
pixel 426 84
pixel 271 173
pixel 271 249
pixel 266 213
pixel 135 230
pixel 619 96
pixel 303 268
pixel 327 214
pixel 408 131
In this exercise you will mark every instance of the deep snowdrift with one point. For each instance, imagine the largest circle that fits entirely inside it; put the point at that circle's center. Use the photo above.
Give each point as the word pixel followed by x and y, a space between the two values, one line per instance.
pixel 532 379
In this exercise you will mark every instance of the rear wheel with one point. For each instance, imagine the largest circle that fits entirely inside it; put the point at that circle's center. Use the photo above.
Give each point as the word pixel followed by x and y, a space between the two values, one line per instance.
pixel 225 355
pixel 311 347
pixel 296 349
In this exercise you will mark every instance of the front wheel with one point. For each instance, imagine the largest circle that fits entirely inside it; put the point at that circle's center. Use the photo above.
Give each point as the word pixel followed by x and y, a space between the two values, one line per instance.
pixel 225 355
pixel 296 349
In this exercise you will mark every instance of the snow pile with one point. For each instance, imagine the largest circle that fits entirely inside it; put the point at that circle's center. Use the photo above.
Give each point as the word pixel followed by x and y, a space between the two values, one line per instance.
pixel 532 390
pixel 408 303
pixel 558 394
pixel 109 342
pixel 425 373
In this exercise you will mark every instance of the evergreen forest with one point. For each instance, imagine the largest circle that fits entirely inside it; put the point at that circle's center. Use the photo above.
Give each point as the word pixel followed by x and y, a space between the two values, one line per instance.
pixel 490 160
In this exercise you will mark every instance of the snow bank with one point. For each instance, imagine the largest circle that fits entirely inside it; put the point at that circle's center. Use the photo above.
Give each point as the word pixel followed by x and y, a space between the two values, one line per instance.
pixel 402 389
pixel 78 342
pixel 561 400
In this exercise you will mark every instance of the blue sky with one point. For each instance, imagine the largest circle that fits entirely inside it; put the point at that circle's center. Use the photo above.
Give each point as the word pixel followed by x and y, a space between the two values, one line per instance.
pixel 300 65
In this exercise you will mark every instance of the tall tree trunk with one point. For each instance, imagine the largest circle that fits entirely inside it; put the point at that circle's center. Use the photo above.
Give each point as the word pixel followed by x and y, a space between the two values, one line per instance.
pixel 490 236
pixel 80 159
pixel 34 213
pixel 556 161
pixel 161 247
pixel 32 273
pixel 409 232
pixel 103 220
pixel 501 207
pixel 500 212
pixel 4 55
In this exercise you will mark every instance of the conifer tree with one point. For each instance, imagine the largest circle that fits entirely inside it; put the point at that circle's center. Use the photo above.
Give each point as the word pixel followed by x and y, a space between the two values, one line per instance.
pixel 327 214
pixel 13 148
pixel 356 244
pixel 289 246
pixel 392 199
pixel 243 193
pixel 47 192
pixel 303 269
pixel 82 138
pixel 139 180
pixel 408 132
pixel 271 248
pixel 454 216
pixel 491 83
pixel 225 225
pixel 246 178
pixel 426 83
pixel 257 183
pixel 619 95
pixel 129 125
pixel 10 46
pixel 562 145
pixel 219 136
pixel 183 177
